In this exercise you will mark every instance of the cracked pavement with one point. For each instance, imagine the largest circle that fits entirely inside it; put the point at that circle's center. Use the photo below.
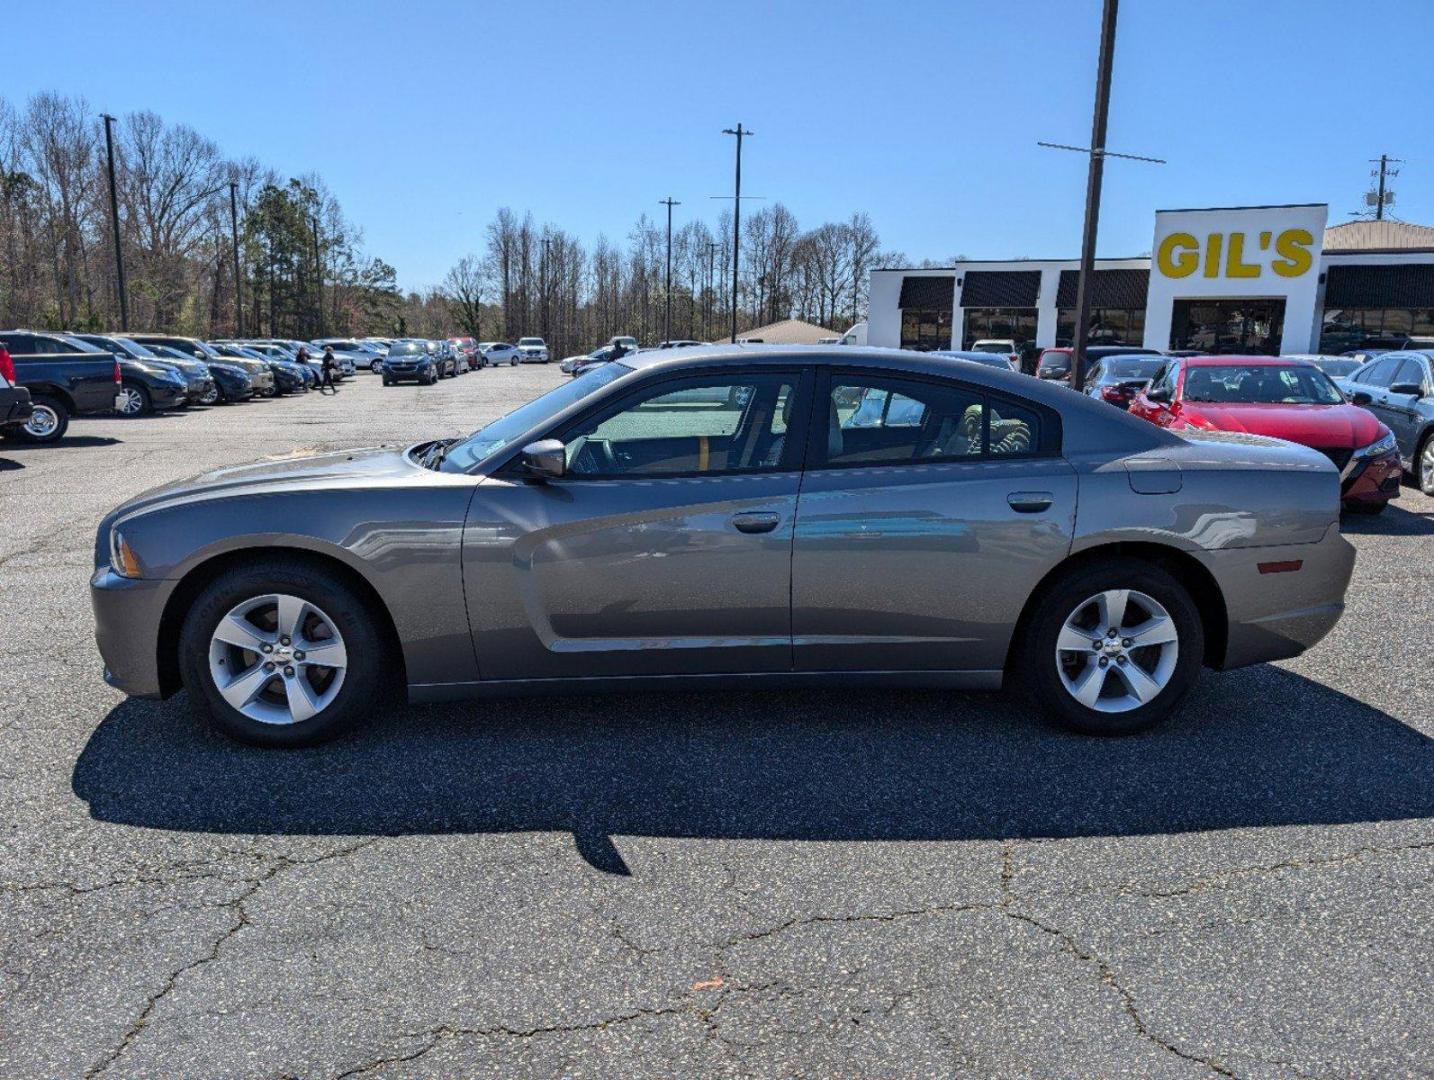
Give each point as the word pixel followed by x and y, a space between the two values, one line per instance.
pixel 824 884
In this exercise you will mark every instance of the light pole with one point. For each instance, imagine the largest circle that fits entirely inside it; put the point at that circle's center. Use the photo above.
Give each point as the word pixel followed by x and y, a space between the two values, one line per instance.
pixel 114 221
pixel 668 202
pixel 711 283
pixel 741 133
pixel 238 282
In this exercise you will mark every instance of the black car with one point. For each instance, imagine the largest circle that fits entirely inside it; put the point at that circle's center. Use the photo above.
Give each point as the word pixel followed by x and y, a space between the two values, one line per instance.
pixel 259 374
pixel 15 407
pixel 199 384
pixel 231 382
pixel 1398 388
pixel 409 360
pixel 1056 363
pixel 1116 379
pixel 288 377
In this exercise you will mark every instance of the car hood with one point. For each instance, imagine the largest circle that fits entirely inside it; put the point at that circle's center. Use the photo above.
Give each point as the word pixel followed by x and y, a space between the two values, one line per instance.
pixel 368 467
pixel 1333 426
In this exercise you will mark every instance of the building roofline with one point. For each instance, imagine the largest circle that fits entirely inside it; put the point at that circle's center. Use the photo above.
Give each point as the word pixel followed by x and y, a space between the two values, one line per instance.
pixel 1221 209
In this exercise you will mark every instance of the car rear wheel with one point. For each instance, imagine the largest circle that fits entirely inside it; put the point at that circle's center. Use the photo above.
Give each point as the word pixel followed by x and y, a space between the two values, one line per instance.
pixel 283 654
pixel 376 366
pixel 1111 648
pixel 47 423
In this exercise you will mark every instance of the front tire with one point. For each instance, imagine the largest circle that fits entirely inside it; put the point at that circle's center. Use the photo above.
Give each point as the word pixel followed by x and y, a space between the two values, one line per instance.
pixel 1424 465
pixel 280 654
pixel 1111 648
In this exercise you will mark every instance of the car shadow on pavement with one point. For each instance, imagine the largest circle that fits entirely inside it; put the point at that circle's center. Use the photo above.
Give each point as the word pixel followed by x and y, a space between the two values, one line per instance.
pixel 1395 521
pixel 1258 747
pixel 72 442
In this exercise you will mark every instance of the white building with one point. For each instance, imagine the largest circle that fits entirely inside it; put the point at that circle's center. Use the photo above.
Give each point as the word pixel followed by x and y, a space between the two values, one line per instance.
pixel 1239 279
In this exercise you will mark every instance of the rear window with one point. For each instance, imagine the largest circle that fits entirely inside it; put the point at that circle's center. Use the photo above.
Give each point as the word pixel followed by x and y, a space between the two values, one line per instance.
pixel 1119 367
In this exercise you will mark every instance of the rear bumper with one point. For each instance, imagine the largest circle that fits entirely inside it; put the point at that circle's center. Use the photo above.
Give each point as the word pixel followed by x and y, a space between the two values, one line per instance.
pixel 15 406
pixel 1276 615
pixel 127 614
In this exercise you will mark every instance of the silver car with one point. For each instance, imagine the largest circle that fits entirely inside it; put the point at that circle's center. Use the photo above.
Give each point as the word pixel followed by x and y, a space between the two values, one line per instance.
pixel 733 516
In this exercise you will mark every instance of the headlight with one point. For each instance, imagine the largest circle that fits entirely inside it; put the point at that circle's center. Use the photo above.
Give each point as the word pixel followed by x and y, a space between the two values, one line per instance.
pixel 123 560
pixel 1383 445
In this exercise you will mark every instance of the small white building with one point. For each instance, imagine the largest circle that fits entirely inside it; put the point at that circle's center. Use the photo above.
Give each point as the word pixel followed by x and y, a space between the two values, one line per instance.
pixel 1265 279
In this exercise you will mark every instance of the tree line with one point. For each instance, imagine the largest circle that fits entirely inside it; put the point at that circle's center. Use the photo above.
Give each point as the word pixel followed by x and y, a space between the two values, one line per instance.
pixel 303 271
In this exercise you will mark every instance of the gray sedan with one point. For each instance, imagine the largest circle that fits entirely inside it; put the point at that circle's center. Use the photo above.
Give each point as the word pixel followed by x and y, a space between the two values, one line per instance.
pixel 732 516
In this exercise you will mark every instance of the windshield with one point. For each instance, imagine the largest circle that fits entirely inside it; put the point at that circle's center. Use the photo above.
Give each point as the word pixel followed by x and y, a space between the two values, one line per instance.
pixel 1268 384
pixel 405 348
pixel 1338 367
pixel 135 349
pixel 1139 367
pixel 502 432
pixel 530 341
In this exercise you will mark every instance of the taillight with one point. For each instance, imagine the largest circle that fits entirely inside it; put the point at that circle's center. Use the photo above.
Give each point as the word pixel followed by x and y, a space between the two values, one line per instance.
pixel 7 366
pixel 118 378
pixel 1112 393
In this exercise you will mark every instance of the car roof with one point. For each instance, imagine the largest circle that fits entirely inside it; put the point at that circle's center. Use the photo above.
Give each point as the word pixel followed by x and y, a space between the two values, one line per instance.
pixel 1246 361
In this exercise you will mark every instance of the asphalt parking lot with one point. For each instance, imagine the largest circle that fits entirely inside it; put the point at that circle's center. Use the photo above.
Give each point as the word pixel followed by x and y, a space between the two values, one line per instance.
pixel 797 884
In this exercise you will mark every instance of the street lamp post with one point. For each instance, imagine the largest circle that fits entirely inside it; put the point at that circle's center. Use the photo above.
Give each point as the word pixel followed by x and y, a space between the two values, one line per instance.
pixel 741 133
pixel 114 220
pixel 238 281
pixel 668 202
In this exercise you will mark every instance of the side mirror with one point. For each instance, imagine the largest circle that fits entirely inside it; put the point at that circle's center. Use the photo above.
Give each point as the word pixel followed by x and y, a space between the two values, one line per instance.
pixel 546 459
pixel 1359 397
pixel 1407 388
pixel 1159 395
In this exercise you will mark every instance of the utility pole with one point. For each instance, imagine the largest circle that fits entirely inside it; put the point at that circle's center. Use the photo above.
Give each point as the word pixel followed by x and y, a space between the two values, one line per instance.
pixel 238 281
pixel 319 270
pixel 668 202
pixel 711 285
pixel 114 221
pixel 1383 170
pixel 741 133
pixel 1098 153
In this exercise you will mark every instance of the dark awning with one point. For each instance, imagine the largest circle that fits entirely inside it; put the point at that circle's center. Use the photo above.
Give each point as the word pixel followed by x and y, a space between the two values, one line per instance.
pixel 1407 286
pixel 1108 288
pixel 1000 288
pixel 931 293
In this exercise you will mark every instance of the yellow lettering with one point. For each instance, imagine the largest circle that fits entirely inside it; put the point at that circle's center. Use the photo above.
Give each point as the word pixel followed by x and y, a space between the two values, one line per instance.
pixel 1235 266
pixel 1212 254
pixel 1182 265
pixel 1294 245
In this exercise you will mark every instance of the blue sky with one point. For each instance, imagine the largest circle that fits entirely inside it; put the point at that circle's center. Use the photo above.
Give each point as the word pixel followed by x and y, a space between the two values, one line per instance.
pixel 426 117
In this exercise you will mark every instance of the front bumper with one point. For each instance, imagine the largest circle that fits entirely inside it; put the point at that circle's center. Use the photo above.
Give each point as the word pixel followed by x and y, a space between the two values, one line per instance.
pixel 168 395
pixel 1372 480
pixel 127 614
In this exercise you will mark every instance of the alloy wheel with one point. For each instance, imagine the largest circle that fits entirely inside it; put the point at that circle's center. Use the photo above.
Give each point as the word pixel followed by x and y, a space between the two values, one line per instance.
pixel 1117 651
pixel 1426 467
pixel 131 402
pixel 277 659
pixel 42 423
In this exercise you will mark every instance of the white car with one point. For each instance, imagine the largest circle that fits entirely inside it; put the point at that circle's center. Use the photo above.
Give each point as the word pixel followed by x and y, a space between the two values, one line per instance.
pixel 498 352
pixel 626 341
pixel 1000 347
pixel 533 350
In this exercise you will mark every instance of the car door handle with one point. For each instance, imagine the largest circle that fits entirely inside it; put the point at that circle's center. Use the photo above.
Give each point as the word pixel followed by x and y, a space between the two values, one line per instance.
pixel 1030 502
pixel 756 523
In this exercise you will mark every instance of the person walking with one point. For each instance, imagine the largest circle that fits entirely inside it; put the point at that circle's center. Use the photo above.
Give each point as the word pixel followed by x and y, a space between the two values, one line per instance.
pixel 327 383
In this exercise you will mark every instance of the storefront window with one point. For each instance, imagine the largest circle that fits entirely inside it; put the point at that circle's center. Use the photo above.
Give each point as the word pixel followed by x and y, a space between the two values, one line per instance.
pixel 1108 326
pixel 926 330
pixel 1347 329
pixel 1252 327
pixel 1019 324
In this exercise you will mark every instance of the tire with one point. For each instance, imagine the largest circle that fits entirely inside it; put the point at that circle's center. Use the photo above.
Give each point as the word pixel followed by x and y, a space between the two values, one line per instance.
pixel 513 362
pixel 49 422
pixel 341 694
pixel 1424 465
pixel 1073 605
pixel 376 367
pixel 136 401
pixel 387 381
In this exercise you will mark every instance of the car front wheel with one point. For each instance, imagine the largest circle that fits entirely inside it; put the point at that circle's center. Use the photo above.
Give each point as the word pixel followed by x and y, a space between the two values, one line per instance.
pixel 1424 466
pixel 1111 648
pixel 281 654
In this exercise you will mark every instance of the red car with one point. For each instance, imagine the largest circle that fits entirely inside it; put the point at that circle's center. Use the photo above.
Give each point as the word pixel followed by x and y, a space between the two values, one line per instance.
pixel 1283 398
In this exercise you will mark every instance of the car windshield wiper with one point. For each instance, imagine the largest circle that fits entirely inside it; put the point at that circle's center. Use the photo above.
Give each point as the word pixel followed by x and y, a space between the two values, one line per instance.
pixel 434 456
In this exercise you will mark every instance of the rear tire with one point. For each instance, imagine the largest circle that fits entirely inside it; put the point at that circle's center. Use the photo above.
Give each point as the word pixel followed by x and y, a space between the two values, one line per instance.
pixel 134 400
pixel 268 718
pixel 48 423
pixel 1424 465
pixel 1125 687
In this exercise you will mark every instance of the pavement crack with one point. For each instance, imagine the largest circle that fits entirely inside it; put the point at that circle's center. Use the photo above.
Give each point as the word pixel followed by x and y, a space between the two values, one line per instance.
pixel 1109 979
